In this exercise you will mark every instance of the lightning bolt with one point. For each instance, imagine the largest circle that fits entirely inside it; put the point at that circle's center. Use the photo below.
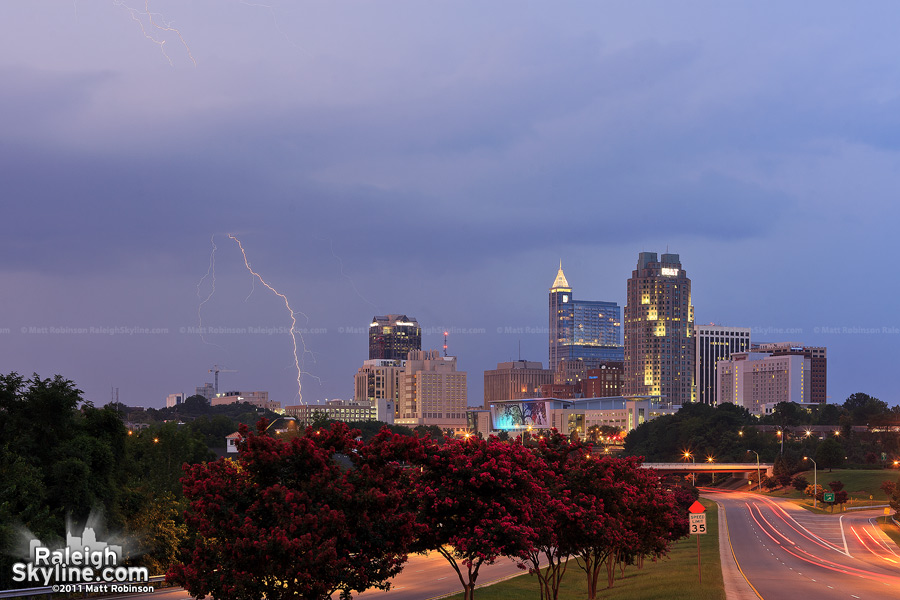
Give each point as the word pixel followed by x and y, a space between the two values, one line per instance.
pixel 287 304
pixel 211 273
pixel 155 21
pixel 350 279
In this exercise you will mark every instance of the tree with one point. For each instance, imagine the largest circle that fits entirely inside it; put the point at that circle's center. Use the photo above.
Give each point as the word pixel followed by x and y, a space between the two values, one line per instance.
pixel 560 516
pixel 840 496
pixel 308 518
pixel 864 409
pixel 892 491
pixel 477 501
pixel 770 483
pixel 625 513
pixel 830 454
pixel 818 491
pixel 799 483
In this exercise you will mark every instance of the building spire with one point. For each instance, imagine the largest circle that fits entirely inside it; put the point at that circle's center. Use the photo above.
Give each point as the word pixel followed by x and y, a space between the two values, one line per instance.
pixel 560 282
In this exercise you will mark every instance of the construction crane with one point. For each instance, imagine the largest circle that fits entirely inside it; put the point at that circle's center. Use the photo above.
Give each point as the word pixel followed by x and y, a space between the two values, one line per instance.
pixel 217 370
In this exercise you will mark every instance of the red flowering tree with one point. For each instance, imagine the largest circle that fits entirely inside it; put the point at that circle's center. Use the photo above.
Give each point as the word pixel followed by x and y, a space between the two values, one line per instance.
pixel 562 517
pixel 307 518
pixel 477 502
pixel 631 517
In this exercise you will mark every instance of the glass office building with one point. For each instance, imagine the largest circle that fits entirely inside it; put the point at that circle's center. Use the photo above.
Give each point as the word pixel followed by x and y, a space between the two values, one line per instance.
pixel 583 330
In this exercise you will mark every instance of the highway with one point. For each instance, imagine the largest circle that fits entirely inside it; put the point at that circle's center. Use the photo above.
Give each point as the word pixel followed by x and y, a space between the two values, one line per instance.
pixel 787 552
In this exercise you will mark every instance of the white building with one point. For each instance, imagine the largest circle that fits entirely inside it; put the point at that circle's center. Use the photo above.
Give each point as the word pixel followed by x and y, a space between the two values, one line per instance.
pixel 378 382
pixel 432 392
pixel 756 379
pixel 257 399
pixel 343 410
pixel 173 400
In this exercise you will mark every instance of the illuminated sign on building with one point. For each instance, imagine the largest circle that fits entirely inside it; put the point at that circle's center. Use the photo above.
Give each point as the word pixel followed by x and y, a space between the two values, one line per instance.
pixel 669 272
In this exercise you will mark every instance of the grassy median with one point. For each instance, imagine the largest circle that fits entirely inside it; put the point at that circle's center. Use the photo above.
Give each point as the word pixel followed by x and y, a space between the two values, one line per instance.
pixel 672 578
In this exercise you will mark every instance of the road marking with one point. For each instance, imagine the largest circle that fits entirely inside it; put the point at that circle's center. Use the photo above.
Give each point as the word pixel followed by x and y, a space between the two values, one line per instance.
pixel 844 537
pixel 439 578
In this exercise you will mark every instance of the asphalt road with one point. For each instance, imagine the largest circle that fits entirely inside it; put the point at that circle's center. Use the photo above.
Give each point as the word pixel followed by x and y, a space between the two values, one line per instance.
pixel 787 552
pixel 430 576
pixel 423 577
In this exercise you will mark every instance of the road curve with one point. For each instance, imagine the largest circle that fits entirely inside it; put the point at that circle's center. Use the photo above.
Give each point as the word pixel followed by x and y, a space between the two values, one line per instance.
pixel 784 551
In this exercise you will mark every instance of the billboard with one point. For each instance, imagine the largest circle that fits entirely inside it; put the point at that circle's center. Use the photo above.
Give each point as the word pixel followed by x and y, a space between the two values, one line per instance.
pixel 521 415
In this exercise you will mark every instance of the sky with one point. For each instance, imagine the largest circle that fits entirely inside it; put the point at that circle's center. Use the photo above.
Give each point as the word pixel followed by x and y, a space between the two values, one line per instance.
pixel 435 159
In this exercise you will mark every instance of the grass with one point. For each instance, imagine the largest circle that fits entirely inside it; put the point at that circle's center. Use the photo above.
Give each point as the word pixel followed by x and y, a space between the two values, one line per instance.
pixel 671 578
pixel 890 528
pixel 863 486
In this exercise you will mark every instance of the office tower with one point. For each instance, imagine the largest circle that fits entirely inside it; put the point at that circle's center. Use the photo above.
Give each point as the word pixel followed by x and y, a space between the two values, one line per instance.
pixel 378 382
pixel 515 380
pixel 432 392
pixel 715 343
pixel 582 330
pixel 605 381
pixel 758 381
pixel 392 337
pixel 659 330
pixel 818 360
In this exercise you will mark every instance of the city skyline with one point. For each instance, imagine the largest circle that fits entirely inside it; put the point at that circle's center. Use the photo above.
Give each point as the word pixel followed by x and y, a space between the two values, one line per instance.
pixel 436 161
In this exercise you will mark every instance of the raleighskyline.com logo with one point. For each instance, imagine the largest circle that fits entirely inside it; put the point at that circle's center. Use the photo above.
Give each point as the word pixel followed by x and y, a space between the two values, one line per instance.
pixel 83 560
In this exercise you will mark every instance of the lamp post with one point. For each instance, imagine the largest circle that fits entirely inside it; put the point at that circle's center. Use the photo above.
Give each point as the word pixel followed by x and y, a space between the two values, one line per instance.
pixel 758 475
pixel 711 459
pixel 781 435
pixel 693 475
pixel 815 482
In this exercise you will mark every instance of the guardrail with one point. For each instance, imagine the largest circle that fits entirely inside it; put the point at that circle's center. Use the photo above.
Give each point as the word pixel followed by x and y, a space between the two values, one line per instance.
pixel 48 590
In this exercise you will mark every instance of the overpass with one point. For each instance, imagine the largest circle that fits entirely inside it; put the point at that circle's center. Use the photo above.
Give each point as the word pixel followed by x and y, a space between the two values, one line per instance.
pixel 707 467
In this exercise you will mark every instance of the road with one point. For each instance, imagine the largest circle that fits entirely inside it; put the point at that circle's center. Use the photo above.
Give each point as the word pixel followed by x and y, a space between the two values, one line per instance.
pixel 430 576
pixel 423 577
pixel 786 551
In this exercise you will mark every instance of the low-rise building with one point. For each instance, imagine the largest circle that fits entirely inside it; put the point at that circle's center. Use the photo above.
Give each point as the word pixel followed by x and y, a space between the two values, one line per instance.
pixel 257 399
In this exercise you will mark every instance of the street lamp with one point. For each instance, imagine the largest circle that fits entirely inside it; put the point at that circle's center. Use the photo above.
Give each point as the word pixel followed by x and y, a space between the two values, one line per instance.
pixel 693 475
pixel 815 482
pixel 758 475
pixel 711 459
pixel 781 435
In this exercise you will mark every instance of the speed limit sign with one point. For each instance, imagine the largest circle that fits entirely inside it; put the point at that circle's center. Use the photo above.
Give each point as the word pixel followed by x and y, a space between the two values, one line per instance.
pixel 698 523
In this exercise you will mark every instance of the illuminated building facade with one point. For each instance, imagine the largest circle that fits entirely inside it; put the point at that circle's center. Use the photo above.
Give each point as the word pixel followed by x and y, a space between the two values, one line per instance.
pixel 392 337
pixel 715 343
pixel 756 379
pixel 659 330
pixel 582 330
pixel 341 410
pixel 432 392
pixel 818 361
pixel 514 380
pixel 574 416
pixel 605 381
pixel 378 383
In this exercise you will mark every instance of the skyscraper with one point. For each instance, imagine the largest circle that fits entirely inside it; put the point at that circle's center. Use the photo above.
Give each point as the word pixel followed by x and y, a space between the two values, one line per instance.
pixel 715 343
pixel 659 330
pixel 583 330
pixel 392 337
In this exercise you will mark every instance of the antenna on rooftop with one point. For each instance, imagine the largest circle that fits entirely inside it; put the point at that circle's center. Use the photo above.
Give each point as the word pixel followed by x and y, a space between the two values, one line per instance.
pixel 445 343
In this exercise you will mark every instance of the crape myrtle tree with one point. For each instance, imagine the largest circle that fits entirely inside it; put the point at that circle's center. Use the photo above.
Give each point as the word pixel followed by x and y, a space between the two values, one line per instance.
pixel 562 518
pixel 631 517
pixel 307 518
pixel 478 501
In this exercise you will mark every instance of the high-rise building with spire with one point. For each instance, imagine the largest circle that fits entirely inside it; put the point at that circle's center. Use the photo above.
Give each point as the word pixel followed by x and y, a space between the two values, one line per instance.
pixel 659 330
pixel 582 330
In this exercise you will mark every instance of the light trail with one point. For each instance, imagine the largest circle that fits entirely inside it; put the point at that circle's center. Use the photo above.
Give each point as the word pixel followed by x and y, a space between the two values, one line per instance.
pixel 294 331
